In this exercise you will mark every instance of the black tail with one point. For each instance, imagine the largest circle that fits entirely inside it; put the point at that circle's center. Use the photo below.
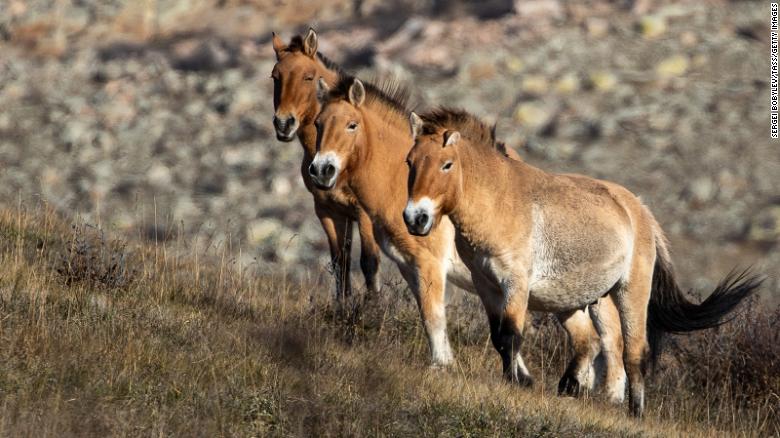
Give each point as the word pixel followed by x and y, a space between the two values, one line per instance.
pixel 671 312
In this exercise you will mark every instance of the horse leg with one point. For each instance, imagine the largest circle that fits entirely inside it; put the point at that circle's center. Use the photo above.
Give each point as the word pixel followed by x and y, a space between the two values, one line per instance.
pixel 632 300
pixel 338 229
pixel 607 320
pixel 507 322
pixel 369 252
pixel 580 374
pixel 428 285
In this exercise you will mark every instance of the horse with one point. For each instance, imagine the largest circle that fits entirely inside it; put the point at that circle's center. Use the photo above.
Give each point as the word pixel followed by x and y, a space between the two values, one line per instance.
pixel 298 67
pixel 363 138
pixel 552 242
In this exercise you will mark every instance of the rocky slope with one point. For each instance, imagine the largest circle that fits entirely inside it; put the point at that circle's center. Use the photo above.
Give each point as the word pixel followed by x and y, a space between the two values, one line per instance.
pixel 156 115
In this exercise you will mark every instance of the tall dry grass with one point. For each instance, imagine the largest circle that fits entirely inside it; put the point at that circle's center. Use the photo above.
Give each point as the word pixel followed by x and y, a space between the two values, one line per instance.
pixel 107 337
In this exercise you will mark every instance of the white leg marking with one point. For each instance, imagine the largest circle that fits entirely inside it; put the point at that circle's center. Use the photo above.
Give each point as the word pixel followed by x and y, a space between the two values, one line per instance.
pixel 616 391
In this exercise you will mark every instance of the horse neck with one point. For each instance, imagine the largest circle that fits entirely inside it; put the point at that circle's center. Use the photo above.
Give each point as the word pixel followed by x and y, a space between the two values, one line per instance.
pixel 307 135
pixel 307 132
pixel 380 174
pixel 489 182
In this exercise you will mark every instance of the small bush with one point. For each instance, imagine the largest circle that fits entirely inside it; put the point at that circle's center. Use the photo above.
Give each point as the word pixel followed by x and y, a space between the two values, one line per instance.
pixel 89 258
pixel 740 360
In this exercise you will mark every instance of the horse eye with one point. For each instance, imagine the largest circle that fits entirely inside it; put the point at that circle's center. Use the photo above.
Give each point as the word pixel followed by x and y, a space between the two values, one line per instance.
pixel 352 126
pixel 308 78
pixel 447 166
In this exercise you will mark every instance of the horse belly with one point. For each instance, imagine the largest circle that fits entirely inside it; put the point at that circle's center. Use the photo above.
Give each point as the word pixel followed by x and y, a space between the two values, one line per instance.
pixel 572 268
pixel 571 291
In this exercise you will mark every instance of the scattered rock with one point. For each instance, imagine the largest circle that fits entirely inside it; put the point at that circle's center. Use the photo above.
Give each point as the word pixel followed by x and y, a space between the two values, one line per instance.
pixel 539 9
pixel 533 116
pixel 689 39
pixel 671 67
pixel 260 230
pixel 702 190
pixel 602 81
pixel 534 85
pixel 159 175
pixel 514 64
pixel 596 27
pixel 652 26
pixel 567 84
pixel 209 55
pixel 765 226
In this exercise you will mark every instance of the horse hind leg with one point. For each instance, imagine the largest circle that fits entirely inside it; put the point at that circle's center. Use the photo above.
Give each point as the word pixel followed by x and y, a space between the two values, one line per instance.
pixel 632 299
pixel 607 321
pixel 581 373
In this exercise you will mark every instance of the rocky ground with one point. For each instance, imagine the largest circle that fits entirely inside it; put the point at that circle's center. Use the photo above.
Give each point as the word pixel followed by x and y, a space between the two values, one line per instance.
pixel 155 115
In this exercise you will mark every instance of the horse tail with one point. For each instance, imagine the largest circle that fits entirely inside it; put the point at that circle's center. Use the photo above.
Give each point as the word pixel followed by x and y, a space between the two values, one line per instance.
pixel 669 310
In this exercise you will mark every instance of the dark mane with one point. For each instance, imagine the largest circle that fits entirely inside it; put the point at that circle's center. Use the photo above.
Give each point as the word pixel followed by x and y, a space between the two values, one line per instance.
pixel 391 93
pixel 469 126
pixel 296 45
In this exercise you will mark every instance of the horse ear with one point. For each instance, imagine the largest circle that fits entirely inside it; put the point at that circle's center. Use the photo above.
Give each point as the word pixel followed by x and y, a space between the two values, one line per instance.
pixel 322 89
pixel 357 93
pixel 416 123
pixel 451 138
pixel 278 44
pixel 310 43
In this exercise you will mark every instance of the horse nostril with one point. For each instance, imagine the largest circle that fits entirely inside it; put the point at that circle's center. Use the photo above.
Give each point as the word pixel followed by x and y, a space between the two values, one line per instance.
pixel 329 171
pixel 312 170
pixel 421 220
pixel 284 125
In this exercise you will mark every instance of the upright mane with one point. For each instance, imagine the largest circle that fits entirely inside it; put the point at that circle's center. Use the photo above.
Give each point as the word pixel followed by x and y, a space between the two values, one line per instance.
pixel 389 93
pixel 469 126
pixel 296 45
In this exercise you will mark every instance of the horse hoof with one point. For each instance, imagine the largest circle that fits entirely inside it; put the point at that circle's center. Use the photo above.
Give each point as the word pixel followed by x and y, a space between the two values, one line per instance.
pixel 525 382
pixel 568 386
pixel 439 366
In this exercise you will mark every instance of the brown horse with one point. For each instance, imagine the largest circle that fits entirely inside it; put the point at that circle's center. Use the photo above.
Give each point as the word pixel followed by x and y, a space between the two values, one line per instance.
pixel 298 68
pixel 364 138
pixel 548 242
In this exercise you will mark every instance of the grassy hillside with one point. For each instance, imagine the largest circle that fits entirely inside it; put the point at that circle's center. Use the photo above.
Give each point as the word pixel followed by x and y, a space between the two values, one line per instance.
pixel 104 337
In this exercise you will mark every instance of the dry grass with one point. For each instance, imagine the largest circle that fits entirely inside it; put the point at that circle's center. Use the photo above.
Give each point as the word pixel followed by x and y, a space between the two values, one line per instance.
pixel 195 346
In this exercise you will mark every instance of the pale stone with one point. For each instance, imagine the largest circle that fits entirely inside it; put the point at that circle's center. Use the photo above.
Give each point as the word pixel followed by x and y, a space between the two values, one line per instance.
pixel 534 84
pixel 159 175
pixel 652 26
pixel 568 83
pixel 672 66
pixel 603 80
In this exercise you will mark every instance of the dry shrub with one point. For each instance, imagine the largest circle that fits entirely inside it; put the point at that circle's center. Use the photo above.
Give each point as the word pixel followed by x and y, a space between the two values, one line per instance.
pixel 90 258
pixel 739 361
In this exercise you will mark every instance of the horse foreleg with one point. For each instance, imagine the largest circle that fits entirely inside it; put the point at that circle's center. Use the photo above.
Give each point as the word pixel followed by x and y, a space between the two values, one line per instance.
pixel 507 310
pixel 338 229
pixel 428 285
pixel 369 252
